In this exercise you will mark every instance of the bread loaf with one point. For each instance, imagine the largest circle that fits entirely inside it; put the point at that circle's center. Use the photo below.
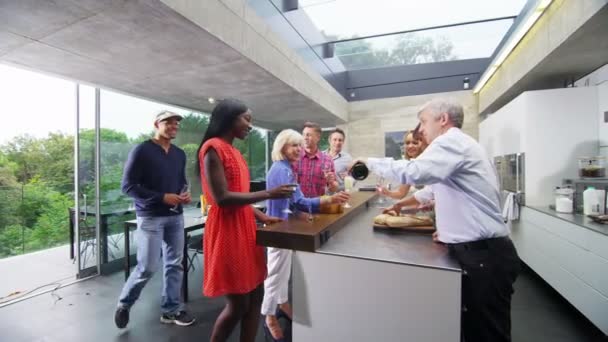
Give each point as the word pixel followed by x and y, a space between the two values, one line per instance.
pixel 403 220
pixel 381 219
pixel 408 221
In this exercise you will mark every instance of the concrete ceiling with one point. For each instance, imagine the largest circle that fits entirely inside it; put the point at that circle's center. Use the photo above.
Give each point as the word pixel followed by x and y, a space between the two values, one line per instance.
pixel 146 49
pixel 583 52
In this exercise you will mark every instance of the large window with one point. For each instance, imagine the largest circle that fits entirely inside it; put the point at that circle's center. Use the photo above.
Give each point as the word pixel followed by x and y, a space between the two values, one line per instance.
pixel 381 33
pixel 36 160
pixel 36 181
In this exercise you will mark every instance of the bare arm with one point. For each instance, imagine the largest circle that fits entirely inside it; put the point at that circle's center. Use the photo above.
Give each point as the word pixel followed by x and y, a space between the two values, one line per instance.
pixel 409 201
pixel 219 186
pixel 400 193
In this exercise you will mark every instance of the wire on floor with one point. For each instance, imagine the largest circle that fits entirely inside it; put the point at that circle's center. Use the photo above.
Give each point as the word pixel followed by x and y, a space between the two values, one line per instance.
pixel 19 294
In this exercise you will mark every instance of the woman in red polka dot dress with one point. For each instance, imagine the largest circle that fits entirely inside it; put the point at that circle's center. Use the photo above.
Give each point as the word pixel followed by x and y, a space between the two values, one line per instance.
pixel 234 266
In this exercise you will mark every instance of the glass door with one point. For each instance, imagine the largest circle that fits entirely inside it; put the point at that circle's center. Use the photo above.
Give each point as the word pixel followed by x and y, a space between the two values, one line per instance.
pixel 86 212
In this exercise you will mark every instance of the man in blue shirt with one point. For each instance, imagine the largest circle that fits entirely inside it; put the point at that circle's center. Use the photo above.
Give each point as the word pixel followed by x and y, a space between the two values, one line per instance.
pixel 154 176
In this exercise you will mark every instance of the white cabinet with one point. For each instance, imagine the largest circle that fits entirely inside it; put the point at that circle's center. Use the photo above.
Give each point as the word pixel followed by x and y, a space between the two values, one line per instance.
pixel 570 258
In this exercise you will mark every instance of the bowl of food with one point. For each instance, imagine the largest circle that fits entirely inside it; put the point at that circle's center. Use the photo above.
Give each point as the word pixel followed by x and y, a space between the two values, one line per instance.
pixel 332 208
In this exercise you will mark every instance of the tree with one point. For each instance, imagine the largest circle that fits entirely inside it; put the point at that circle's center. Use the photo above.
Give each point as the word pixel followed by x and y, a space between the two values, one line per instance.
pixel 48 158
pixel 52 225
pixel 10 193
pixel 413 49
pixel 11 239
pixel 409 49
pixel 43 220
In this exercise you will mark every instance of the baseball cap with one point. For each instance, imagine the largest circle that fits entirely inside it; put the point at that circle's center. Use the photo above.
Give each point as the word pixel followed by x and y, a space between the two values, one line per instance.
pixel 165 114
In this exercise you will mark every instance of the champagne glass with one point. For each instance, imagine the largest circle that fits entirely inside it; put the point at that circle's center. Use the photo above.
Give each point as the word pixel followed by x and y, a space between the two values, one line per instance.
pixel 326 173
pixel 310 217
pixel 290 176
pixel 379 187
pixel 349 185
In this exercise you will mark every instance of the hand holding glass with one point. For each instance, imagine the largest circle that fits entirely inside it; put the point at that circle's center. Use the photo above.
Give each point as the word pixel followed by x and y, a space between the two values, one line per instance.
pixel 349 185
pixel 185 190
pixel 329 176
pixel 379 186
pixel 294 187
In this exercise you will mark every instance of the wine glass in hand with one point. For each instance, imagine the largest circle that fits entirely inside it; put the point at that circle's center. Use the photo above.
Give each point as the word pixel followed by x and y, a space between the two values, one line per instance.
pixel 349 185
pixel 291 177
pixel 185 190
pixel 379 188
pixel 328 176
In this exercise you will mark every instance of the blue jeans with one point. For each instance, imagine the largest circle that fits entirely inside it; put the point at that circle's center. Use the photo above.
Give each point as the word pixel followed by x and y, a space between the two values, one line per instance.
pixel 152 235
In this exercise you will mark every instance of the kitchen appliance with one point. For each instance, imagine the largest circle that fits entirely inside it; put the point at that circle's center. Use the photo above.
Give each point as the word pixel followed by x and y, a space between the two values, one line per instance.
pixel 579 185
pixel 510 169
pixel 564 200
pixel 592 167
pixel 591 204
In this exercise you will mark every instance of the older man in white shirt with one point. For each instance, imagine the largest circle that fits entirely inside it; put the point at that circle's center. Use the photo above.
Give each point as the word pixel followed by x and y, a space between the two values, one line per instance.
pixel 463 184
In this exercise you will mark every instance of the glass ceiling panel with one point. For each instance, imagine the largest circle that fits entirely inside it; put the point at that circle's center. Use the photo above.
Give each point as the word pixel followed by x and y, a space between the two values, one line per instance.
pixel 437 45
pixel 341 19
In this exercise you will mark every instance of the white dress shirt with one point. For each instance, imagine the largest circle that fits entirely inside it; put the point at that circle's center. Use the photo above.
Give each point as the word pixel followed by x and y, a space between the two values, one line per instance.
pixel 462 182
pixel 341 163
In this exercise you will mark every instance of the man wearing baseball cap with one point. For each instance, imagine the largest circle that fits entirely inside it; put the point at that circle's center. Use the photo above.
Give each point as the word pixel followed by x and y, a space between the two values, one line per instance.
pixel 154 176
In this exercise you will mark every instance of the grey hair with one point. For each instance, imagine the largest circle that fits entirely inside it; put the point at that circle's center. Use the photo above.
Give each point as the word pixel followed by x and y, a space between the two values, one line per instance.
pixel 287 136
pixel 449 106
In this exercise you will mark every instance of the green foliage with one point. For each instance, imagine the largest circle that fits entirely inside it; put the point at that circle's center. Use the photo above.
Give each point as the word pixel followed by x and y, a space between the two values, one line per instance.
pixel 43 213
pixel 12 238
pixel 324 142
pixel 50 159
pixel 52 225
pixel 37 179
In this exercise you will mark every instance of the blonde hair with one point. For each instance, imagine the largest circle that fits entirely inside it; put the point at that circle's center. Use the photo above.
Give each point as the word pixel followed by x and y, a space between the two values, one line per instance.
pixel 287 136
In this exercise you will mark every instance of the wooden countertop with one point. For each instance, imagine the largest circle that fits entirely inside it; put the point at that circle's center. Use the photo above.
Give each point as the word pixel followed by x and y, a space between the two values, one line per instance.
pixel 297 233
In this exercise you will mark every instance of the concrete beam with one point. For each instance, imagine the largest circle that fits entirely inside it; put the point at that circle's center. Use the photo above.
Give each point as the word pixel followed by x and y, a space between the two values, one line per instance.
pixel 252 37
pixel 145 48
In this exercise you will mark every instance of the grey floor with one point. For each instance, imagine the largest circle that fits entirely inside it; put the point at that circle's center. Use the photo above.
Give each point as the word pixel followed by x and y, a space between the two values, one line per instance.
pixel 85 313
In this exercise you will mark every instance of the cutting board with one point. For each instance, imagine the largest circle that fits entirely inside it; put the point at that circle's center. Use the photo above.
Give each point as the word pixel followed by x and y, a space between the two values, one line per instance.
pixel 417 229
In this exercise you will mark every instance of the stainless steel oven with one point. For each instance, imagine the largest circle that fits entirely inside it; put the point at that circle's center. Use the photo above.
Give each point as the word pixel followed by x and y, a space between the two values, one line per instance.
pixel 511 175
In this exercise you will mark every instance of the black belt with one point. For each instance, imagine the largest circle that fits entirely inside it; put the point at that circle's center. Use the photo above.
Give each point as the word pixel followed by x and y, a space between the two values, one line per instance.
pixel 476 245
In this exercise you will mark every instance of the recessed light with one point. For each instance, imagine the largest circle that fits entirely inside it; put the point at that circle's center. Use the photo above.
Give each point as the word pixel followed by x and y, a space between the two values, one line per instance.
pixel 211 100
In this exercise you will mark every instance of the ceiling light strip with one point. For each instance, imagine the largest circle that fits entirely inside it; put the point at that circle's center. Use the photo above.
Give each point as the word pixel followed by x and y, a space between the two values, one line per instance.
pixel 515 38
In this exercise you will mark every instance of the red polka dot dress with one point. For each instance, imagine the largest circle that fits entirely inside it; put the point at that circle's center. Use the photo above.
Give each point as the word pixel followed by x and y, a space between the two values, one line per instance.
pixel 233 263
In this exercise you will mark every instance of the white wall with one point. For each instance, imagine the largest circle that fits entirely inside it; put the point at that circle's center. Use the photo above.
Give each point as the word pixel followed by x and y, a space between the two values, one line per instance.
pixel 560 126
pixel 553 128
pixel 599 79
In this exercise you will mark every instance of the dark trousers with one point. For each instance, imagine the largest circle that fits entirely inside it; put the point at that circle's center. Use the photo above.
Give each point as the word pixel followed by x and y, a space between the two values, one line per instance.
pixel 490 268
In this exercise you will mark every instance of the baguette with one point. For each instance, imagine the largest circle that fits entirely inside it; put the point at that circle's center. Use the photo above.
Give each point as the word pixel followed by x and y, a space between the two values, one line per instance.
pixel 408 221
